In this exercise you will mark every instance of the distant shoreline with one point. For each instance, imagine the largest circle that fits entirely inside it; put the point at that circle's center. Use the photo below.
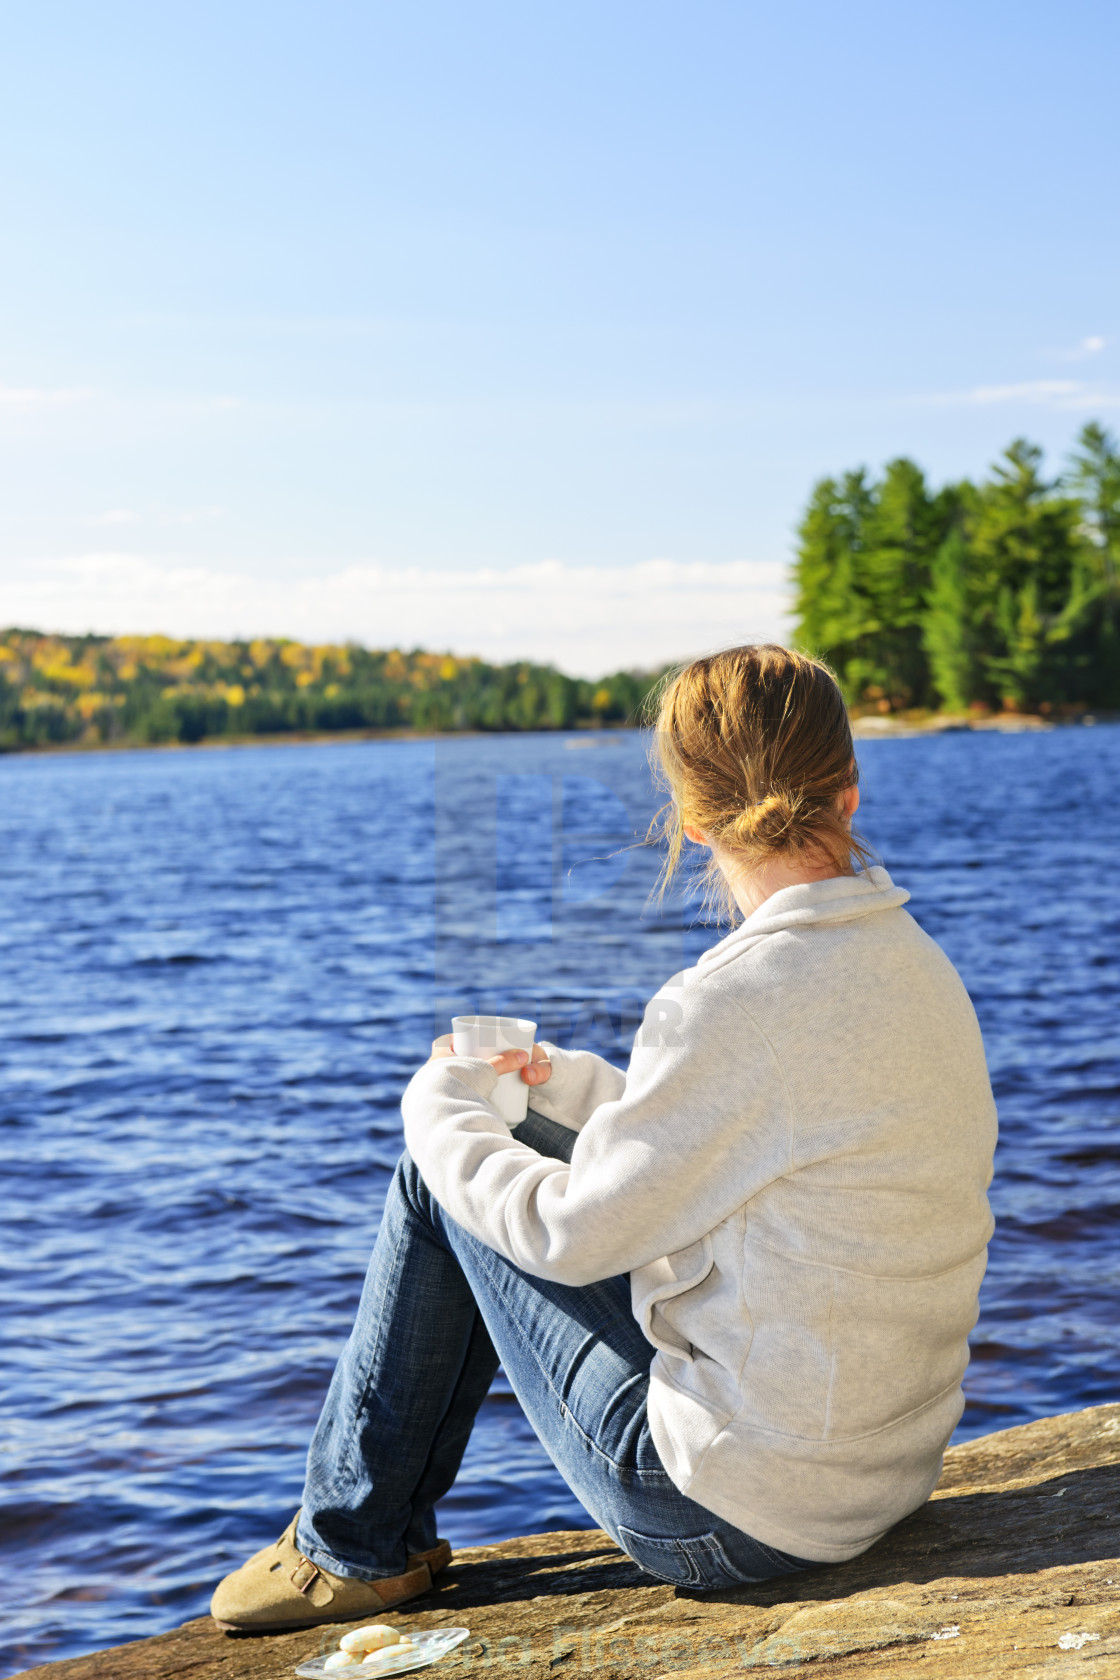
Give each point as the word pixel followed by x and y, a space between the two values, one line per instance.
pixel 300 738
pixel 897 726
pixel 866 728
pixel 134 693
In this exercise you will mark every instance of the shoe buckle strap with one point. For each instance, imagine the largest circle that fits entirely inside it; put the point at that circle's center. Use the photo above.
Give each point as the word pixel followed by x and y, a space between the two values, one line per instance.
pixel 304 1576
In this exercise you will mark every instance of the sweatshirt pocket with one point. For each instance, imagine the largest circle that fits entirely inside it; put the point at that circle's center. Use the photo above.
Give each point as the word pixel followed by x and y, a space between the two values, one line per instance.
pixel 663 1280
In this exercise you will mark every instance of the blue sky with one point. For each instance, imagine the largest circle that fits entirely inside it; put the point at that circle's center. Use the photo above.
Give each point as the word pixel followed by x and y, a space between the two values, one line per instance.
pixel 518 328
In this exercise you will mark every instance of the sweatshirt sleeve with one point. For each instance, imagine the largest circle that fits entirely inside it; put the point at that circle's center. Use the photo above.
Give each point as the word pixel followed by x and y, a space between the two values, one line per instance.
pixel 580 1081
pixel 702 1121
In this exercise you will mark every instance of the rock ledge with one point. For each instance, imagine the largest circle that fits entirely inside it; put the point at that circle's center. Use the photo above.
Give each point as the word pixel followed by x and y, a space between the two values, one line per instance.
pixel 1012 1569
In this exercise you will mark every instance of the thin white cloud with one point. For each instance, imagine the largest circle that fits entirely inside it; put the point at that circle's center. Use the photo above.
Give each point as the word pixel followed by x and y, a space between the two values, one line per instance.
pixel 24 397
pixel 114 516
pixel 585 619
pixel 1074 395
pixel 1028 390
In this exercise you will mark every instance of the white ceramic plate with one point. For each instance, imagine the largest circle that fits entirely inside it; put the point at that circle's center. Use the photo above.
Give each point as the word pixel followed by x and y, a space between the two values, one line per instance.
pixel 426 1648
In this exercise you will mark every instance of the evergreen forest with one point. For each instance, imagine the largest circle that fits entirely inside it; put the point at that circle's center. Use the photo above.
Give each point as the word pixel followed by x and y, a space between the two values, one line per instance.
pixel 1001 595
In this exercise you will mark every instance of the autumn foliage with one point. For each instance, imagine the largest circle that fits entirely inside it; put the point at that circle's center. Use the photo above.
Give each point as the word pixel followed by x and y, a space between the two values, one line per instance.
pixel 99 690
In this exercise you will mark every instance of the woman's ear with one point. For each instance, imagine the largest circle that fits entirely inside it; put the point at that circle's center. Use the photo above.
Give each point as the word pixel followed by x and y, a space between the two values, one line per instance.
pixel 695 836
pixel 851 801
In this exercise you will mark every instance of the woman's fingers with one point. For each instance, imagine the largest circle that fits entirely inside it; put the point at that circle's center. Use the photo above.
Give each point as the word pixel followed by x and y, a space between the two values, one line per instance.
pixel 533 1072
pixel 508 1061
pixel 539 1069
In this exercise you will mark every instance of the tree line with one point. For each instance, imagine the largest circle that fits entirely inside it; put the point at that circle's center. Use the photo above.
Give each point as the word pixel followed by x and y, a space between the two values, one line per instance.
pixel 1003 594
pixel 999 594
pixel 101 690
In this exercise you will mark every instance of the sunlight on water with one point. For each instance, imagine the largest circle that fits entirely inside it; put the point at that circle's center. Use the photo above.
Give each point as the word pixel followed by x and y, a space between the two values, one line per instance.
pixel 219 970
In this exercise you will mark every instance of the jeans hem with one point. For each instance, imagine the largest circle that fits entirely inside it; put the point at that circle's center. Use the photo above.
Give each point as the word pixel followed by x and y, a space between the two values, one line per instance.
pixel 322 1559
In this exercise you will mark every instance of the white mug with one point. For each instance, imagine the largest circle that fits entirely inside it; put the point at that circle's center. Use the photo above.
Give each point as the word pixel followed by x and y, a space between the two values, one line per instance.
pixel 486 1036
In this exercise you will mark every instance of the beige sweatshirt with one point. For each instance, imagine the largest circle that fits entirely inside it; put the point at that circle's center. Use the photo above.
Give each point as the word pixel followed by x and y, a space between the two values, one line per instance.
pixel 793 1171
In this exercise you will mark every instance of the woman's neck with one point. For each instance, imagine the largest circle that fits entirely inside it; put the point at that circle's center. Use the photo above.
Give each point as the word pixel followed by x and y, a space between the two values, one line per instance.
pixel 750 888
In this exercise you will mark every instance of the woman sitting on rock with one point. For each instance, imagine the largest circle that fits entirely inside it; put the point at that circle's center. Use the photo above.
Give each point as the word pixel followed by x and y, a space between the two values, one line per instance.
pixel 731 1287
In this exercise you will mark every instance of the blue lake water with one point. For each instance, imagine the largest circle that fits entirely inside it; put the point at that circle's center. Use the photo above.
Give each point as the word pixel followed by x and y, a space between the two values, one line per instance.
pixel 218 970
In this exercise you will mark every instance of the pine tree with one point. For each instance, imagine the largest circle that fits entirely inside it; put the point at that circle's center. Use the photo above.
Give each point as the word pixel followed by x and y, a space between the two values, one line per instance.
pixel 905 531
pixel 863 574
pixel 1030 605
pixel 947 628
pixel 1095 477
pixel 831 544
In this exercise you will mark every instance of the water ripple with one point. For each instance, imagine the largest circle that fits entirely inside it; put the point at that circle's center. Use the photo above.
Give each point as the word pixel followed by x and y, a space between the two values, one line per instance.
pixel 217 972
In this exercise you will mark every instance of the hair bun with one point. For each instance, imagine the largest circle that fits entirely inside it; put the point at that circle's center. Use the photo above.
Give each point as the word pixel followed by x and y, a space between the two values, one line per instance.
pixel 769 822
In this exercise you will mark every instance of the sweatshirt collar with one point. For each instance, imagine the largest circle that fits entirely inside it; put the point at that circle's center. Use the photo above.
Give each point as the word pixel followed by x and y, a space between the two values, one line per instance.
pixel 842 898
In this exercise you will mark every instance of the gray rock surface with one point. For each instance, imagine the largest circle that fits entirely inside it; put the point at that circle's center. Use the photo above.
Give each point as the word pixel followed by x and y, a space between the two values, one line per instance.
pixel 1011 1569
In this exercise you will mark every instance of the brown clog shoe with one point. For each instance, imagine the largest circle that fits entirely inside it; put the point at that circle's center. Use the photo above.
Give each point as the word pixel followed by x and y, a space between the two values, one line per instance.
pixel 279 1588
pixel 438 1558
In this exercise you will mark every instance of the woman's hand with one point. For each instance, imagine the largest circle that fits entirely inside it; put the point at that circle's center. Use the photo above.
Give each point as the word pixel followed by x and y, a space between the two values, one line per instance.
pixel 533 1072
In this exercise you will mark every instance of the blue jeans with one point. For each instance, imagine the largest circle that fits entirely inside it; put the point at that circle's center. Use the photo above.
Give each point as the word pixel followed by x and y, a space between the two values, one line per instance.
pixel 438 1311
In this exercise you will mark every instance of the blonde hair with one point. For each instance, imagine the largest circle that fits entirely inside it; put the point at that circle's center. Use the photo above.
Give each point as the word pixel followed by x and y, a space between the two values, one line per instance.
pixel 755 747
